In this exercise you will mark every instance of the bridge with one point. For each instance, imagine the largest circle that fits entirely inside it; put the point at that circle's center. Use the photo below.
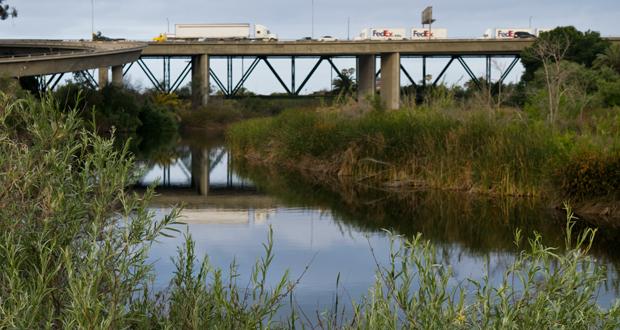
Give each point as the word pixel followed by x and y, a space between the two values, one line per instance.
pixel 23 58
pixel 75 56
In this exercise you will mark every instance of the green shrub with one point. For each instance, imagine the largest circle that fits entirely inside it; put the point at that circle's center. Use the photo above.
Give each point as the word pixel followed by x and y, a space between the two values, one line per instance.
pixel 610 93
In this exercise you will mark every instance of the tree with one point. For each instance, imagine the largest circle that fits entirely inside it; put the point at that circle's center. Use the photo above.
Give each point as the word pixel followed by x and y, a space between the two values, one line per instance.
pixel 550 52
pixel 344 84
pixel 7 11
pixel 581 47
pixel 610 58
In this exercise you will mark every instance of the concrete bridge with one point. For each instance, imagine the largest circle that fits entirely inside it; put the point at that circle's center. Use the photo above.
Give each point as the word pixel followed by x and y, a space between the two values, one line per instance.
pixel 74 56
pixel 23 58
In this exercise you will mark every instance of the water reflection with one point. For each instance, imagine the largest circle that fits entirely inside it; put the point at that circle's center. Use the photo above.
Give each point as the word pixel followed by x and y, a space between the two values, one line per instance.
pixel 229 208
pixel 205 169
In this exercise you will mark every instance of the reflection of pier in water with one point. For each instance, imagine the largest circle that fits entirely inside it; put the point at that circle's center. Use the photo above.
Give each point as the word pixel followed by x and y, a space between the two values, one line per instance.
pixel 202 180
pixel 205 170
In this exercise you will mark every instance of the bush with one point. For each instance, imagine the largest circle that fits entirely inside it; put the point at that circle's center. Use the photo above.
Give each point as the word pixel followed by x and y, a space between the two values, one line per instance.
pixel 591 174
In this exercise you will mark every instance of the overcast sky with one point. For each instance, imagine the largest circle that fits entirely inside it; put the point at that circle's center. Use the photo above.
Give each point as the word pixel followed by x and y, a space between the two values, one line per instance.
pixel 142 19
pixel 292 19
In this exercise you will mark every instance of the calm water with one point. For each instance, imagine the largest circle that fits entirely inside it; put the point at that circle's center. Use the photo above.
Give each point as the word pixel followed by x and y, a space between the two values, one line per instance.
pixel 229 210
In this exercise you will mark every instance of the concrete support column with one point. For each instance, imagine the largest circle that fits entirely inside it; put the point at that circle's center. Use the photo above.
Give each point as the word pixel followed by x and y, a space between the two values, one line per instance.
pixel 117 76
pixel 366 79
pixel 200 80
pixel 390 80
pixel 103 76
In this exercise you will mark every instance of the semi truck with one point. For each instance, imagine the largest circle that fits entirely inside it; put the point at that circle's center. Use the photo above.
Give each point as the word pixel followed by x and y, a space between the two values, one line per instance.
pixel 382 34
pixel 223 31
pixel 425 34
pixel 509 33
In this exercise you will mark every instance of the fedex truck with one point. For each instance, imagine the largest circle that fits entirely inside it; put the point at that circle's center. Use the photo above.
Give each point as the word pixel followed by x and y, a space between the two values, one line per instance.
pixel 219 31
pixel 425 34
pixel 382 34
pixel 507 33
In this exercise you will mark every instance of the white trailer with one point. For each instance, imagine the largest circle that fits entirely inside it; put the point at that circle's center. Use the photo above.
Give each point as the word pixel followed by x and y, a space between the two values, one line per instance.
pixel 382 34
pixel 425 34
pixel 505 33
pixel 221 31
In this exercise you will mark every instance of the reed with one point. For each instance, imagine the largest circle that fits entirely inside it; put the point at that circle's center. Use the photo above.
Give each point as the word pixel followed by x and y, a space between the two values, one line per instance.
pixel 490 152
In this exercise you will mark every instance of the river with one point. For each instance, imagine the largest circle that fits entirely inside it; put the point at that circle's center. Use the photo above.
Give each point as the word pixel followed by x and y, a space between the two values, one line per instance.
pixel 322 234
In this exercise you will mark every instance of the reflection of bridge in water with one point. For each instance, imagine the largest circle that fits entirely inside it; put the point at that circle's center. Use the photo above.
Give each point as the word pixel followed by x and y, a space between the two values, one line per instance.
pixel 203 181
pixel 203 169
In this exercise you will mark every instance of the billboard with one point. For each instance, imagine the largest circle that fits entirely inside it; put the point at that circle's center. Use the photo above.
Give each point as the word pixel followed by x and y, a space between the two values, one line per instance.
pixel 427 15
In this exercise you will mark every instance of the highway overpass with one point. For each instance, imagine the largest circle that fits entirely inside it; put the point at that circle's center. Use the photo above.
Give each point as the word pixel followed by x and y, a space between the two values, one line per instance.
pixel 71 56
pixel 445 47
pixel 23 58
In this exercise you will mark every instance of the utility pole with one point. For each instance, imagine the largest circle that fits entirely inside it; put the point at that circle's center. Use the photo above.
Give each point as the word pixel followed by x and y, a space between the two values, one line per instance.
pixel 531 21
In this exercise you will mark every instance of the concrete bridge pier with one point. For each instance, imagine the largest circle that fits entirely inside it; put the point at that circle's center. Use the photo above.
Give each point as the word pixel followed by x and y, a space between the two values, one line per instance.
pixel 117 75
pixel 200 80
pixel 103 76
pixel 390 80
pixel 366 79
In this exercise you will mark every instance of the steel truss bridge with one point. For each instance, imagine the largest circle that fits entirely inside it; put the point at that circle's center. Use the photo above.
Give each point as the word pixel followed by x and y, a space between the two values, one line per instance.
pixel 230 87
pixel 199 54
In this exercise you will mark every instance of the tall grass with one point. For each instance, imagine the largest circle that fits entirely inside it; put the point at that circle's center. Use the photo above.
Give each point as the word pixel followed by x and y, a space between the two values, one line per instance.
pixel 499 152
pixel 544 288
pixel 477 151
pixel 74 243
pixel 74 246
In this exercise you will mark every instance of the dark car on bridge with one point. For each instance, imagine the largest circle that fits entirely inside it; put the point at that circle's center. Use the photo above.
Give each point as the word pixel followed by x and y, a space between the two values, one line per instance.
pixel 524 35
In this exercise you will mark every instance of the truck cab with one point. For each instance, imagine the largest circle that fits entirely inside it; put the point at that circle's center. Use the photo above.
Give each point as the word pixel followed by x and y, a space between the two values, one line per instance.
pixel 262 33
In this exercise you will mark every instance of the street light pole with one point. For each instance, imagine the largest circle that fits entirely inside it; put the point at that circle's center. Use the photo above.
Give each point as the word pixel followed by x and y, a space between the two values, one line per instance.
pixel 92 18
pixel 348 28
pixel 312 19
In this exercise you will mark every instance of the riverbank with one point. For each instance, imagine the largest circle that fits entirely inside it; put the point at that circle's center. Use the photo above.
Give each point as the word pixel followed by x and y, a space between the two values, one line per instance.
pixel 491 152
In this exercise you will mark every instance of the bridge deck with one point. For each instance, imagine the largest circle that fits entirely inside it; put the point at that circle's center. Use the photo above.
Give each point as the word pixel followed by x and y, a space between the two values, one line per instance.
pixel 340 48
pixel 38 57
pixel 53 56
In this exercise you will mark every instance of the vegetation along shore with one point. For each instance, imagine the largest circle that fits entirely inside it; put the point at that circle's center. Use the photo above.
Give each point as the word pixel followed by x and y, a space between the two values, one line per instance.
pixel 555 135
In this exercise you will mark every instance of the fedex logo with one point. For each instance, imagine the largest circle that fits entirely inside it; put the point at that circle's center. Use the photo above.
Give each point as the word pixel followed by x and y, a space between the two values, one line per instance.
pixel 422 34
pixel 505 34
pixel 384 33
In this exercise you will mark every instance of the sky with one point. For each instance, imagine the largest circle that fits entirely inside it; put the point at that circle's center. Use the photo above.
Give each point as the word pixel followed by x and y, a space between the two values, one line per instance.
pixel 292 19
